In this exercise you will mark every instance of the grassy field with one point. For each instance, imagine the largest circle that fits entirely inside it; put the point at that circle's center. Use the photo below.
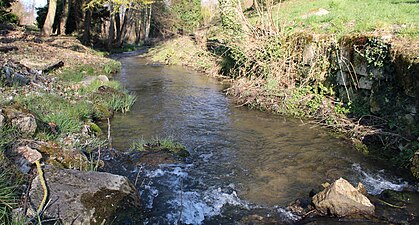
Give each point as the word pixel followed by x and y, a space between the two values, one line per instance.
pixel 400 17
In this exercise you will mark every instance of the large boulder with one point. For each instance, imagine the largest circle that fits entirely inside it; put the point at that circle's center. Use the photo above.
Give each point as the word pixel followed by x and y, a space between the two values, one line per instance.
pixel 78 197
pixel 342 199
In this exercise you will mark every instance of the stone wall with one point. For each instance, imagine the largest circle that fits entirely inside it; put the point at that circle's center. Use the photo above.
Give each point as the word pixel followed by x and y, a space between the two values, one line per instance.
pixel 377 75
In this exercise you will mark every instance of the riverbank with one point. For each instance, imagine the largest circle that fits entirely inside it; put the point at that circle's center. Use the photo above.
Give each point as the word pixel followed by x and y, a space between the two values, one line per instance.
pixel 362 86
pixel 53 92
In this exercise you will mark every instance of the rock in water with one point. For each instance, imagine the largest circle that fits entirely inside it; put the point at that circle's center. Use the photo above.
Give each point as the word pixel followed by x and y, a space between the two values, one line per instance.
pixel 342 199
pixel 78 197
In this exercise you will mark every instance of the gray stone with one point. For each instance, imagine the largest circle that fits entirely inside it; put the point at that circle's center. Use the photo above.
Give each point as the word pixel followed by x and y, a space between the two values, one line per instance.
pixel 342 78
pixel 79 197
pixel 319 12
pixel 25 157
pixel 342 199
pixel 309 54
pixel 365 83
pixel 90 79
pixel 102 78
pixel 360 65
pixel 23 121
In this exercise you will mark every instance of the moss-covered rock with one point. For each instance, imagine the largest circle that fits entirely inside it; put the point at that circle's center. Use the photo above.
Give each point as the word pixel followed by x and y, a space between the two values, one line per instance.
pixel 87 197
pixel 58 156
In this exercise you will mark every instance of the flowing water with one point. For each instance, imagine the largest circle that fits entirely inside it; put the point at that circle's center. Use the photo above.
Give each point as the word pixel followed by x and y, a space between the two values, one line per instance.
pixel 242 162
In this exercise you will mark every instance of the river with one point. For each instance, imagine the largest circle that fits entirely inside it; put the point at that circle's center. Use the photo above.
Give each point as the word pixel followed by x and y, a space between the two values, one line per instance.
pixel 243 162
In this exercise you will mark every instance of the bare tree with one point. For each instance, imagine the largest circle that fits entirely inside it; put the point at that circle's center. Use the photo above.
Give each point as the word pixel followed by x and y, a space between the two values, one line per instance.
pixel 49 21
pixel 63 22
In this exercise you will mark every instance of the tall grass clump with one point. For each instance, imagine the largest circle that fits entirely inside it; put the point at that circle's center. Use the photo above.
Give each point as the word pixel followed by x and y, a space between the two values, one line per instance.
pixel 8 197
pixel 160 144
pixel 52 108
pixel 9 187
pixel 122 102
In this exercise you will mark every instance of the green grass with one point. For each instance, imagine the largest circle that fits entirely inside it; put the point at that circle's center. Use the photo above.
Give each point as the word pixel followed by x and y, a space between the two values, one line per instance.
pixel 349 16
pixel 9 185
pixel 68 116
pixel 160 144
pixel 122 102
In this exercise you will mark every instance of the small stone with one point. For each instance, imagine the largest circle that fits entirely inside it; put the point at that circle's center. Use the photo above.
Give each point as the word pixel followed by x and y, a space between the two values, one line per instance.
pixel 25 157
pixel 102 78
pixel 24 122
pixel 318 12
pixel 361 188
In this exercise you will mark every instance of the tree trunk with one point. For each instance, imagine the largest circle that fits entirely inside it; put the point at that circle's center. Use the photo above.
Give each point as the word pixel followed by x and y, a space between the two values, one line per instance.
pixel 124 27
pixel 118 25
pixel 111 33
pixel 138 22
pixel 148 24
pixel 87 26
pixel 49 21
pixel 64 16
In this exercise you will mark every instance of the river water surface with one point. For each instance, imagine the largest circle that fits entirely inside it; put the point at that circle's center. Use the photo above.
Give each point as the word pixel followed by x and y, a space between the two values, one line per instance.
pixel 242 162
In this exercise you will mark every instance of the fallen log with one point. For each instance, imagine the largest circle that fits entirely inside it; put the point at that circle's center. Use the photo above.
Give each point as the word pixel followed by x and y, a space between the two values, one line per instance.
pixel 53 67
pixel 6 49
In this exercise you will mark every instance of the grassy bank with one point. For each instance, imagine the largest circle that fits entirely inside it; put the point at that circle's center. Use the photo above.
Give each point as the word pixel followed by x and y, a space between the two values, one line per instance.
pixel 67 88
pixel 342 17
pixel 358 83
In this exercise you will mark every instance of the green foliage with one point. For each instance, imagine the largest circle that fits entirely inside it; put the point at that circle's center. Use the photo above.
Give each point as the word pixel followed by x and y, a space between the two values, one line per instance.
pixel 229 18
pixel 72 75
pixel 8 134
pixel 112 67
pixel 406 154
pixel 5 15
pixel 122 102
pixel 375 52
pixel 359 107
pixel 304 101
pixel 187 13
pixel 160 144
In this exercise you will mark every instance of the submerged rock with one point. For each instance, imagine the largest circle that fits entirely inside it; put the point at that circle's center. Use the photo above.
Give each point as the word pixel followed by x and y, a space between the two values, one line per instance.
pixel 342 199
pixel 86 197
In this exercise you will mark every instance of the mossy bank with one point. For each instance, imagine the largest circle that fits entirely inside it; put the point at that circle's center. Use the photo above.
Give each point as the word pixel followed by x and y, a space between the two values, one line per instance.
pixel 53 92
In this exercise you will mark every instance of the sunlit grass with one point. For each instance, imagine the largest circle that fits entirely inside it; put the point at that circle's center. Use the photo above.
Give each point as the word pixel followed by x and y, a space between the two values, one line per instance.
pixel 348 16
